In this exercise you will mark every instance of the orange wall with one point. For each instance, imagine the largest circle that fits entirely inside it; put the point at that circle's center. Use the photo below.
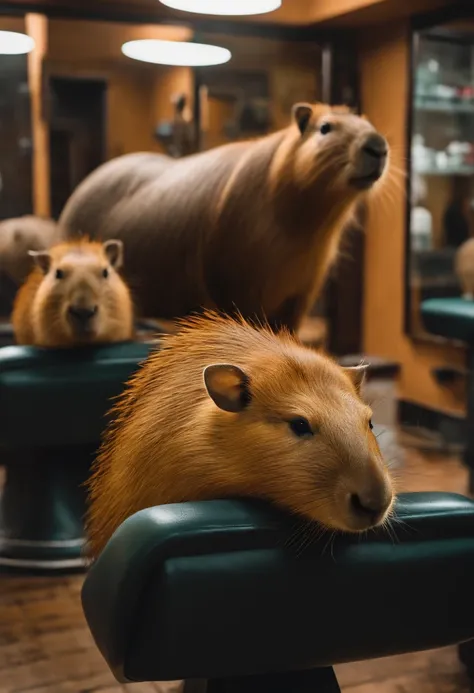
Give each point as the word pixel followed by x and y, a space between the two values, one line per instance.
pixel 36 26
pixel 171 81
pixel 129 114
pixel 384 55
pixel 138 94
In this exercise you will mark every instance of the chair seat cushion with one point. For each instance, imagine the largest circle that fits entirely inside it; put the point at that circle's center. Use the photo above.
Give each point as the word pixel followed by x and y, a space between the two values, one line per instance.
pixel 233 588
pixel 452 318
pixel 56 397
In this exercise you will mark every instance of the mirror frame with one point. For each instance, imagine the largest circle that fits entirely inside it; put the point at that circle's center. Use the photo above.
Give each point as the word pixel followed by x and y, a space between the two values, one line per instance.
pixel 429 20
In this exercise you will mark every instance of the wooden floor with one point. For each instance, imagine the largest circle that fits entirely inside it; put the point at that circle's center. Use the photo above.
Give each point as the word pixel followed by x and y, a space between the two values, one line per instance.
pixel 45 646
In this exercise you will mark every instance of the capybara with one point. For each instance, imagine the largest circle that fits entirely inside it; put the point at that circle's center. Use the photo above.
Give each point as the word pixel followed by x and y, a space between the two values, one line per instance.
pixel 74 296
pixel 228 409
pixel 250 226
pixel 464 268
pixel 19 235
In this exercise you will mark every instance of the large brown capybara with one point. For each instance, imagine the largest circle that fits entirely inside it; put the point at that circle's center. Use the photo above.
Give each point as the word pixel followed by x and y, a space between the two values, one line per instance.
pixel 225 409
pixel 252 226
pixel 74 296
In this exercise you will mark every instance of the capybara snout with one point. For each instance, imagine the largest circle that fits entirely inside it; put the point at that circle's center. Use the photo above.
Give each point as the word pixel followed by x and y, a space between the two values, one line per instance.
pixel 371 160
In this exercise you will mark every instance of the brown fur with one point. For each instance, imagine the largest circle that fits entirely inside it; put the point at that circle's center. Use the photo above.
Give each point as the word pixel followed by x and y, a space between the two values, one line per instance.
pixel 169 442
pixel 464 268
pixel 253 225
pixel 40 314
pixel 17 237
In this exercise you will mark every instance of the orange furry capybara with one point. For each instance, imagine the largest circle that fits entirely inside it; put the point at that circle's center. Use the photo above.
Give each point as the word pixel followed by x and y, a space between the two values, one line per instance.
pixel 19 235
pixel 74 296
pixel 464 268
pixel 250 226
pixel 225 409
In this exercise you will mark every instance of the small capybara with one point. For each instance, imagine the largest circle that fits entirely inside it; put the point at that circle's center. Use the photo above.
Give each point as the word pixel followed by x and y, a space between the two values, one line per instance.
pixel 464 268
pixel 74 296
pixel 228 409
pixel 19 235
pixel 250 226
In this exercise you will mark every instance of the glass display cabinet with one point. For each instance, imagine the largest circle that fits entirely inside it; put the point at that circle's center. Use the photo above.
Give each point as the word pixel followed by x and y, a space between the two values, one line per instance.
pixel 441 174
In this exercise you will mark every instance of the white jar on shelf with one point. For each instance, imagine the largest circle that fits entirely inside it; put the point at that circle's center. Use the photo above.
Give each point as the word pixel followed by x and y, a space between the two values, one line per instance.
pixel 421 229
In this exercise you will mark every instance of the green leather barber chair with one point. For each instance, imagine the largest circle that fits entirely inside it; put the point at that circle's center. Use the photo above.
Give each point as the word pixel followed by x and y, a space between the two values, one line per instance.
pixel 230 595
pixel 453 318
pixel 52 412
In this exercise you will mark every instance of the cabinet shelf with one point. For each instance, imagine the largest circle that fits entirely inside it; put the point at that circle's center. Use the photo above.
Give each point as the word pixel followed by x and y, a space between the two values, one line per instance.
pixel 440 106
pixel 449 171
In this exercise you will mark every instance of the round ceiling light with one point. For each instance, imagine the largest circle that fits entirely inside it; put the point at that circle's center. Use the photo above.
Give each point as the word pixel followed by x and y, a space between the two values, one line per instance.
pixel 14 43
pixel 224 7
pixel 182 53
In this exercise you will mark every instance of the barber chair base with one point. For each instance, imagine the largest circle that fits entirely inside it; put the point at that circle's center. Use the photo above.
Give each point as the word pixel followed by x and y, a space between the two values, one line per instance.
pixel 311 681
pixel 42 508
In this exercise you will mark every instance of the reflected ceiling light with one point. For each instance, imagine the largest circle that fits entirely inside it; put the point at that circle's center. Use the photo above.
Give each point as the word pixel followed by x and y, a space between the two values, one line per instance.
pixel 182 53
pixel 14 43
pixel 230 7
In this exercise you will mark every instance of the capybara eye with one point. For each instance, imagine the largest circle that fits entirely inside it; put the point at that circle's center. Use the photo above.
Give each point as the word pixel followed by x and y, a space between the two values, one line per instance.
pixel 325 128
pixel 371 425
pixel 59 274
pixel 105 273
pixel 300 427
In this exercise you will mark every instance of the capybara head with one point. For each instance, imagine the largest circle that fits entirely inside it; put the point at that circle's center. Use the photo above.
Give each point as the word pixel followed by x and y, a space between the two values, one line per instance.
pixel 223 409
pixel 344 147
pixel 82 298
pixel 19 235
pixel 297 422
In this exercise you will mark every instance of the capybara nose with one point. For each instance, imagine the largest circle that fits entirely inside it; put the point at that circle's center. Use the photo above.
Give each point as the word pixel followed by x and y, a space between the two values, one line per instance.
pixel 370 507
pixel 82 315
pixel 375 146
pixel 371 161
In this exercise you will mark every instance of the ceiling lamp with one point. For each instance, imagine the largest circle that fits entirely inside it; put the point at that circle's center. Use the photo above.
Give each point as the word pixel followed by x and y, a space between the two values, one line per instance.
pixel 224 7
pixel 182 53
pixel 14 43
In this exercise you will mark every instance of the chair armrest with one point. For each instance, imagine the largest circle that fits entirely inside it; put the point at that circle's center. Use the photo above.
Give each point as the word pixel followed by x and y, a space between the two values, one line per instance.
pixel 219 588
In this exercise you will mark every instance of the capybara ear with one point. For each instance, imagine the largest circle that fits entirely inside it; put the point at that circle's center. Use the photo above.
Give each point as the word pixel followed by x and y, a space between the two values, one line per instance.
pixel 227 386
pixel 302 113
pixel 357 374
pixel 42 259
pixel 113 250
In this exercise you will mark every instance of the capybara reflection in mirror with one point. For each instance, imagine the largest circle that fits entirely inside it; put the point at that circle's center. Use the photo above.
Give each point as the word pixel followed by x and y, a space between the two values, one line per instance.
pixel 74 296
pixel 250 226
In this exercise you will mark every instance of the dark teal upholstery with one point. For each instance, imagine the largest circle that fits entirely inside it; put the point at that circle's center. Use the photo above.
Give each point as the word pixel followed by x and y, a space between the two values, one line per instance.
pixel 219 589
pixel 55 397
pixel 53 406
pixel 452 318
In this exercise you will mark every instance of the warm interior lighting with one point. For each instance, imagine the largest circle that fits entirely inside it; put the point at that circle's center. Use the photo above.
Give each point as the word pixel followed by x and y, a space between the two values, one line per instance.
pixel 229 7
pixel 180 53
pixel 14 43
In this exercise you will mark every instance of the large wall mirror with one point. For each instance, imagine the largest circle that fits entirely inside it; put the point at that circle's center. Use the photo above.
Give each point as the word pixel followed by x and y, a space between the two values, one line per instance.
pixel 441 177
pixel 77 101
pixel 102 104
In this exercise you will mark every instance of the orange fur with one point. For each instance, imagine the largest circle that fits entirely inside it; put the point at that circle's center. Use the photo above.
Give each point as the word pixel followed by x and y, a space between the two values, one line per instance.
pixel 464 267
pixel 253 225
pixel 169 442
pixel 40 310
